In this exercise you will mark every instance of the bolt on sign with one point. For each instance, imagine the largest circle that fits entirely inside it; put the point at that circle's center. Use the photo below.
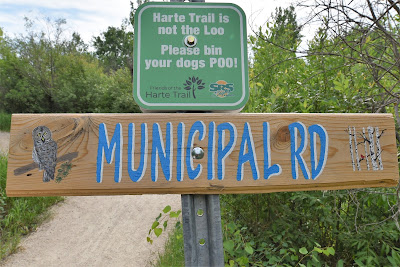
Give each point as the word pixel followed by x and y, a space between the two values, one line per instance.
pixel 103 154
pixel 190 56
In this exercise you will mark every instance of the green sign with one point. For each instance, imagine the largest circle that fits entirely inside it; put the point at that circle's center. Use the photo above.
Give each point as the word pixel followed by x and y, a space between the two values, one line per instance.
pixel 190 56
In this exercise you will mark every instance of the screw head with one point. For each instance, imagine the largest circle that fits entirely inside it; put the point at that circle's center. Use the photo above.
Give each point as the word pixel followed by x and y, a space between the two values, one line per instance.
pixel 197 153
pixel 190 41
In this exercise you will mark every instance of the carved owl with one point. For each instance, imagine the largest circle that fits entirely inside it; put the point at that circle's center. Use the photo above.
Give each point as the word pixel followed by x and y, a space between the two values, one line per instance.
pixel 44 152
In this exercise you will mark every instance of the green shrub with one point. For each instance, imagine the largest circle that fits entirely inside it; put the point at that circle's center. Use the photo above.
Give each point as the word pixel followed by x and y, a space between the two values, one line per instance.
pixel 5 122
pixel 330 228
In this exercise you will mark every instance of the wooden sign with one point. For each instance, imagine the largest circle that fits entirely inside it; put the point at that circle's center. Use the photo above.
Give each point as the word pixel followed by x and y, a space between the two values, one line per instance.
pixel 103 154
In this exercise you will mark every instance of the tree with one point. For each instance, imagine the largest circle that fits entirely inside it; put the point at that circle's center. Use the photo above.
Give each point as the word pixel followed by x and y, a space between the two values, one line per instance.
pixel 364 35
pixel 15 92
pixel 275 69
pixel 114 48
pixel 40 52
pixel 133 10
pixel 120 100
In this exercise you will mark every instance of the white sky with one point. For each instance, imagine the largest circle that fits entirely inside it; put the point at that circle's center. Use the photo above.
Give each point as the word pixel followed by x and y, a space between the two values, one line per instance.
pixel 89 17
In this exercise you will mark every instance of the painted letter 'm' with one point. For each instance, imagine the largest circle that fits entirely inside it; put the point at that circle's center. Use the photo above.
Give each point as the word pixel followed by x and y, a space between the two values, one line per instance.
pixel 109 149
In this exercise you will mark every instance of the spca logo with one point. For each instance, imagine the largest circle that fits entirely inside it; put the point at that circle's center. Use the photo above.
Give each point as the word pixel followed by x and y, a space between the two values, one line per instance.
pixel 221 88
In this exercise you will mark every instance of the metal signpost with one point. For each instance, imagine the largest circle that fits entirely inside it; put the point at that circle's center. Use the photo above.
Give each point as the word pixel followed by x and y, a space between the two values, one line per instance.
pixel 201 218
pixel 202 232
pixel 199 55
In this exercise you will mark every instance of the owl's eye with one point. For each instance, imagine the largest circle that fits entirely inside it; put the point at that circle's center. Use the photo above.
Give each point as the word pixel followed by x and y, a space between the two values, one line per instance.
pixel 38 135
pixel 45 133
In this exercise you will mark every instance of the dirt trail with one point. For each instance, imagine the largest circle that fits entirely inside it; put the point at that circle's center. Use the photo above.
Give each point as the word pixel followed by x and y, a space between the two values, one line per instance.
pixel 95 231
pixel 4 141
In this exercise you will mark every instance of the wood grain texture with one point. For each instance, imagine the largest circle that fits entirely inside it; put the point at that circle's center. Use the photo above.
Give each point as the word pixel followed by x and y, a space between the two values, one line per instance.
pixel 77 137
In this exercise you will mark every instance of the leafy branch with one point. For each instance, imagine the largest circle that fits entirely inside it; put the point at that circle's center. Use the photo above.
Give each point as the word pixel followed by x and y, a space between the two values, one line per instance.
pixel 327 251
pixel 161 222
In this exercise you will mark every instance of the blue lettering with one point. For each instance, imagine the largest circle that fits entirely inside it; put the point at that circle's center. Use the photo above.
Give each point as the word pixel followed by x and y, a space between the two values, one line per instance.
pixel 158 151
pixel 298 150
pixel 319 130
pixel 211 151
pixel 180 152
pixel 224 151
pixel 108 150
pixel 247 141
pixel 268 169
pixel 199 127
pixel 137 174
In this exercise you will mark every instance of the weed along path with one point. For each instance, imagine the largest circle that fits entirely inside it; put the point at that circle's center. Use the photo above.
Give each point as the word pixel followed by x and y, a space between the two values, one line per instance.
pixel 95 231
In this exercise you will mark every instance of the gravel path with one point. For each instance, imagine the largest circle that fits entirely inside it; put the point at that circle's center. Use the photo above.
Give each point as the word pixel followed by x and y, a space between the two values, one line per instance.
pixel 4 141
pixel 95 231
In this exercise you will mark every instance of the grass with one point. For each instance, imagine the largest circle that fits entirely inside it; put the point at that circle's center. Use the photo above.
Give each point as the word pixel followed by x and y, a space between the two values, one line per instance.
pixel 5 122
pixel 19 215
pixel 173 254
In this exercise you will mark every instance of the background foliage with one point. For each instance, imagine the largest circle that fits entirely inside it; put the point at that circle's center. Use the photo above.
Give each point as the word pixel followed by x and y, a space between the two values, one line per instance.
pixel 351 64
pixel 47 70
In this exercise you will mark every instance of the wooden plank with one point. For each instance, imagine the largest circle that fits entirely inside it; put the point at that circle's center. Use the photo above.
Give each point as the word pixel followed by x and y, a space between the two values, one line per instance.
pixel 269 153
